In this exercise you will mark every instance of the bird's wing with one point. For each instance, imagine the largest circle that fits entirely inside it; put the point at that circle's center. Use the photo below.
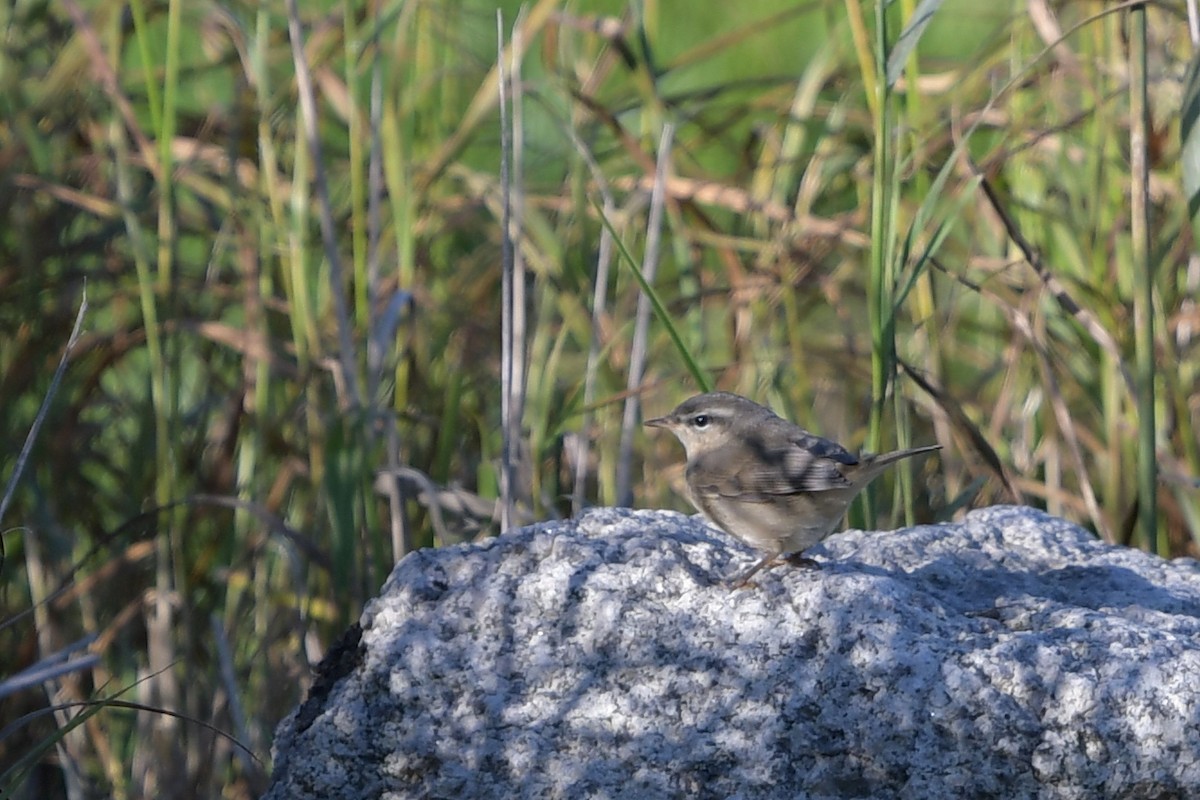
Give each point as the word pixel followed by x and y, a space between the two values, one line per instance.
pixel 792 464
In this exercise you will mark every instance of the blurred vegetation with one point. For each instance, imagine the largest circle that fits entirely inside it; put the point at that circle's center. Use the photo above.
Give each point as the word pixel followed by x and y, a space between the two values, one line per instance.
pixel 290 370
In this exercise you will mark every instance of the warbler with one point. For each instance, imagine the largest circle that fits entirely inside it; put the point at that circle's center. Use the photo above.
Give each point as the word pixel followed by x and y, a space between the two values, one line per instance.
pixel 766 481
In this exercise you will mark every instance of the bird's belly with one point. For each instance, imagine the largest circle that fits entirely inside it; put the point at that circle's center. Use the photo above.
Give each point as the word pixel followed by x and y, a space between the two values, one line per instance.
pixel 782 525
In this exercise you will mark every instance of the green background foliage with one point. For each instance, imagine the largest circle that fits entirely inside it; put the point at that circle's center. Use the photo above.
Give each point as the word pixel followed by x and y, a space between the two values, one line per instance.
pixel 271 335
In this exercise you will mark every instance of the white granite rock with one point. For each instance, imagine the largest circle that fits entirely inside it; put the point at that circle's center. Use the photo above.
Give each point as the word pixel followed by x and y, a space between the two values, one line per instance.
pixel 1011 655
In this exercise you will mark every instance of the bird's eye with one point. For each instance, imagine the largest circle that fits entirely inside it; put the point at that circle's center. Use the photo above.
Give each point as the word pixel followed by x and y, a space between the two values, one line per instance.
pixel 700 421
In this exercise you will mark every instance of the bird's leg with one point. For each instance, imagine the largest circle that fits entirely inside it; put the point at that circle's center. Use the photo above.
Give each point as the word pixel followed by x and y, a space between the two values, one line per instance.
pixel 743 581
pixel 797 559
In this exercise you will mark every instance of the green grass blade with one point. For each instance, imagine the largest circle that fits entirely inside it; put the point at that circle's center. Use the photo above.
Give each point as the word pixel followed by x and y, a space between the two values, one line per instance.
pixel 660 310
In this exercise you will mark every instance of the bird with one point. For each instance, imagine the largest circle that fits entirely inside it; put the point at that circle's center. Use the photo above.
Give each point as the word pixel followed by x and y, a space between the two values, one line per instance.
pixel 766 481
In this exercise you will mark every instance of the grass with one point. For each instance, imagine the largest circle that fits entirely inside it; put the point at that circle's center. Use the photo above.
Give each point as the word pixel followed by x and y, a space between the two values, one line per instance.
pixel 290 370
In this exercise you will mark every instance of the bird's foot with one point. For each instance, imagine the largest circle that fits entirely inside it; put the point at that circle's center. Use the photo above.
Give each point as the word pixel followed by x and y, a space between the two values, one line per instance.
pixel 798 560
pixel 743 581
pixel 801 561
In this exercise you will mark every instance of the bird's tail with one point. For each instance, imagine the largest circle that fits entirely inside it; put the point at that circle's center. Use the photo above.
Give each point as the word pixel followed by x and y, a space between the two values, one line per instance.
pixel 877 464
pixel 900 455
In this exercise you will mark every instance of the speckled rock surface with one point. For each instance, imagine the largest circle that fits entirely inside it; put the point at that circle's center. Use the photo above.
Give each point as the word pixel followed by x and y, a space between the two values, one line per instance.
pixel 1010 655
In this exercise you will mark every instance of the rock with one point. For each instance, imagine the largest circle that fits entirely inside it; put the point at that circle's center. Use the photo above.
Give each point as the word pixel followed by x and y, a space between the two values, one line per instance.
pixel 1011 655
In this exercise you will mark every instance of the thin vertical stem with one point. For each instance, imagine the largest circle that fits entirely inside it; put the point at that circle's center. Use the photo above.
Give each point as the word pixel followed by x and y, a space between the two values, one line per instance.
pixel 637 357
pixel 308 110
pixel 879 293
pixel 516 189
pixel 583 445
pixel 509 427
pixel 1143 299
pixel 599 303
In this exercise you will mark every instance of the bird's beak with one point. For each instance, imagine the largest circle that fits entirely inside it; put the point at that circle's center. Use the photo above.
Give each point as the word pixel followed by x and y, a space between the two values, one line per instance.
pixel 658 422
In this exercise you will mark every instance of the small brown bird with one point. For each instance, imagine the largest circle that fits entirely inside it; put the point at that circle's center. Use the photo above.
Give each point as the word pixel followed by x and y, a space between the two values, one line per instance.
pixel 772 484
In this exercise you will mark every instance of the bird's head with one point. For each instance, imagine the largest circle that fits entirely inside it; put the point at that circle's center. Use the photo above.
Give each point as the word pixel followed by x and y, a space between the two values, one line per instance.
pixel 708 421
